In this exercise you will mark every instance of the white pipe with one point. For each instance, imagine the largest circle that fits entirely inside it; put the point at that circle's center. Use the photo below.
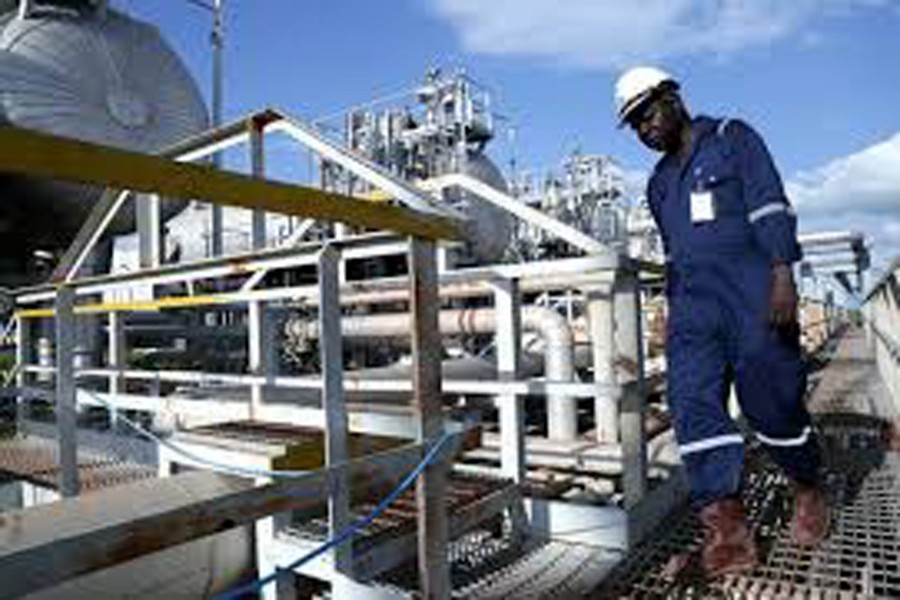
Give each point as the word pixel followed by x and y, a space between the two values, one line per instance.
pixel 550 325
pixel 830 237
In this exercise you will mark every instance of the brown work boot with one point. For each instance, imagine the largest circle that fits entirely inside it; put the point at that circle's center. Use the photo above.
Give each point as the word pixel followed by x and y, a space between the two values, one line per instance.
pixel 728 545
pixel 811 516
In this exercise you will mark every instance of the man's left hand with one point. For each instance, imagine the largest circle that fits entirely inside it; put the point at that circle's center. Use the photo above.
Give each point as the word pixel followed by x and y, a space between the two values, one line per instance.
pixel 783 299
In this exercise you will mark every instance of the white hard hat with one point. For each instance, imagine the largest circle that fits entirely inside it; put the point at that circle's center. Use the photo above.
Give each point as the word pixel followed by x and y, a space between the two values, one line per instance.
pixel 635 84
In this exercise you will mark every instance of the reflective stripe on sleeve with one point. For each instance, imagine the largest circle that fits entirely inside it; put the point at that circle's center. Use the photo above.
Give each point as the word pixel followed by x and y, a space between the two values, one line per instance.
pixel 720 128
pixel 718 441
pixel 786 442
pixel 769 209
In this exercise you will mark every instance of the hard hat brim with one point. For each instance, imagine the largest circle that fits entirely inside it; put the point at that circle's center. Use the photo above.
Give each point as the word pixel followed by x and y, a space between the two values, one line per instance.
pixel 640 99
pixel 632 105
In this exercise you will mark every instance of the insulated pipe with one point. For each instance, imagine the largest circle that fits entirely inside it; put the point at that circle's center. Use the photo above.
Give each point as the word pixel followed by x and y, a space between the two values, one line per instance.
pixel 550 325
pixel 830 237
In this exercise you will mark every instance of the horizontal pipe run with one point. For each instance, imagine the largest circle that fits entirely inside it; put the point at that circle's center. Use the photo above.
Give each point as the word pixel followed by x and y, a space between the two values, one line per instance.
pixel 361 418
pixel 576 271
pixel 481 387
pixel 308 294
pixel 553 328
pixel 830 237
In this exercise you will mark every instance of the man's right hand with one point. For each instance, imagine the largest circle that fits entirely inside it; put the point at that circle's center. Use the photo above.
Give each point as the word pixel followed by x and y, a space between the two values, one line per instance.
pixel 783 298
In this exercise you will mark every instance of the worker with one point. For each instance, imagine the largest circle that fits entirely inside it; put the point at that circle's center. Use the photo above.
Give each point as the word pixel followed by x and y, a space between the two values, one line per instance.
pixel 730 239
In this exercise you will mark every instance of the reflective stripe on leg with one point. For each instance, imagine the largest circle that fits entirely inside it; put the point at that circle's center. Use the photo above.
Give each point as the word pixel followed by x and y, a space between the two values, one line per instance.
pixel 718 441
pixel 786 442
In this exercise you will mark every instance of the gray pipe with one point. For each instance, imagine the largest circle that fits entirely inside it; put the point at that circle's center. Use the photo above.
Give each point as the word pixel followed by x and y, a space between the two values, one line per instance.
pixel 550 325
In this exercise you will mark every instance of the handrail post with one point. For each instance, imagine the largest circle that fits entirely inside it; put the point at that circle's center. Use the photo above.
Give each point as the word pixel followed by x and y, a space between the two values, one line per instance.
pixel 434 572
pixel 149 226
pixel 258 170
pixel 262 348
pixel 630 351
pixel 65 391
pixel 117 360
pixel 24 356
pixel 508 305
pixel 601 325
pixel 331 359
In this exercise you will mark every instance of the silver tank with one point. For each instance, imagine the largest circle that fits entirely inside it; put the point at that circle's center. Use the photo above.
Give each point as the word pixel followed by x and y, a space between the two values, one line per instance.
pixel 69 70
pixel 490 228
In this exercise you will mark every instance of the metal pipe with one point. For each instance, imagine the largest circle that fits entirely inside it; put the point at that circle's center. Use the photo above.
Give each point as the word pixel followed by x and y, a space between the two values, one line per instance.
pixel 25 8
pixel 830 237
pixel 550 325
pixel 601 323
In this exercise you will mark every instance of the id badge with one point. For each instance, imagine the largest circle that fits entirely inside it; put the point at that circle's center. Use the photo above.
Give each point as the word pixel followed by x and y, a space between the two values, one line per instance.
pixel 702 209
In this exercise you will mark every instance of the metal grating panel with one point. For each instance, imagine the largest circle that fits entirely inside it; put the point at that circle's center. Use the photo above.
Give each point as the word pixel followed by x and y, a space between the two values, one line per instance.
pixel 860 559
pixel 554 570
pixel 37 460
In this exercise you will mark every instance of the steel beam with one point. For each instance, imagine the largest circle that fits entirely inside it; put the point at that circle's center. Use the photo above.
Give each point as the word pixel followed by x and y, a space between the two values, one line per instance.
pixel 43 155
pixel 194 148
pixel 91 231
pixel 519 209
pixel 404 192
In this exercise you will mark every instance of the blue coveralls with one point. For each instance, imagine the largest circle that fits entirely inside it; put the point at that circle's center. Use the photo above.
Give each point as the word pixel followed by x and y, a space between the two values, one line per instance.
pixel 725 221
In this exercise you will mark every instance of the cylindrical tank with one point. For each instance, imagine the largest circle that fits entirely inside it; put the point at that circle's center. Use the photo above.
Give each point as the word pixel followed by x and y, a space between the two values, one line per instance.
pixel 71 70
pixel 490 227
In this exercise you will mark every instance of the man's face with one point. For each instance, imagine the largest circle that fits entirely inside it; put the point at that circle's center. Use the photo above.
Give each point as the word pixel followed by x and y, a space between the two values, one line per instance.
pixel 658 122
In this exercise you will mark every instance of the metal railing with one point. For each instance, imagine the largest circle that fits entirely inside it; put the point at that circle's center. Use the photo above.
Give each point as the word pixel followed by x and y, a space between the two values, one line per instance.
pixel 43 155
pixel 881 311
pixel 607 288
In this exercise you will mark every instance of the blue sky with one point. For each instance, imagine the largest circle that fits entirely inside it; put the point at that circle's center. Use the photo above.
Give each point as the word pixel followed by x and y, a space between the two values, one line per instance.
pixel 819 78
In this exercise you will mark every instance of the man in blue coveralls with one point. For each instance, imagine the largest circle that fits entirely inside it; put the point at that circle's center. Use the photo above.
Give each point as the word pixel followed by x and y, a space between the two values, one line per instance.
pixel 730 239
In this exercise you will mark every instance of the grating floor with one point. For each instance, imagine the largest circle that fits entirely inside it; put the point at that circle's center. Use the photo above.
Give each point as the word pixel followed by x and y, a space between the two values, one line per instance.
pixel 552 571
pixel 400 517
pixel 860 558
pixel 37 460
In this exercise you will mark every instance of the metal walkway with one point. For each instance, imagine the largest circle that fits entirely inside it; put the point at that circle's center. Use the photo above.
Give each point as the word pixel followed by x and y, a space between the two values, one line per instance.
pixel 861 557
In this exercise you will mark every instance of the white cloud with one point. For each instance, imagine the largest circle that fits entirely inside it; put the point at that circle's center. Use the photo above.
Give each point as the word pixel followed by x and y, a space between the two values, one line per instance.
pixel 611 33
pixel 860 191
pixel 866 181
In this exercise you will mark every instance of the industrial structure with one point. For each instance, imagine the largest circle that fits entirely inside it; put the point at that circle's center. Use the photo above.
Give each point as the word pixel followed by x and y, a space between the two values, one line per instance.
pixel 409 378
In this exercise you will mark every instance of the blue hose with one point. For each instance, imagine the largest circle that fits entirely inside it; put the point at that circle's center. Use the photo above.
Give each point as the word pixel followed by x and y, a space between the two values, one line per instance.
pixel 342 536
